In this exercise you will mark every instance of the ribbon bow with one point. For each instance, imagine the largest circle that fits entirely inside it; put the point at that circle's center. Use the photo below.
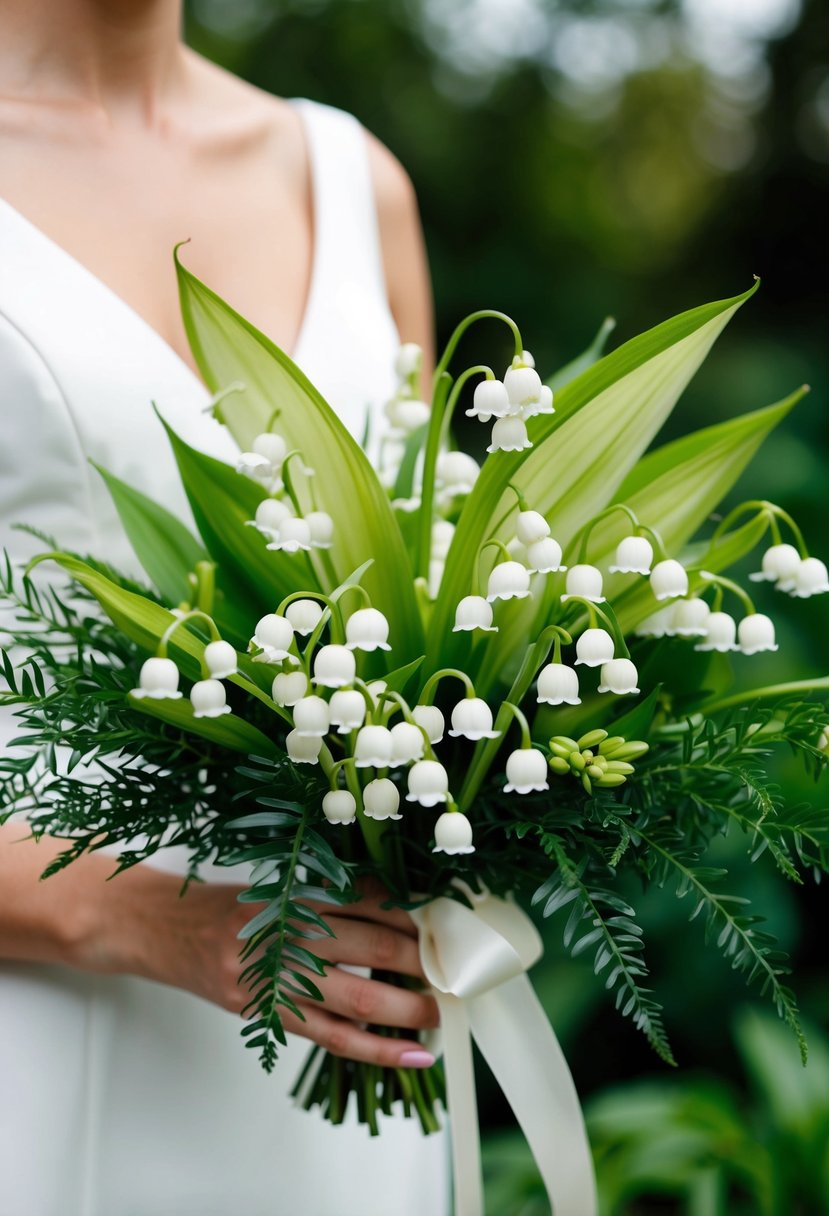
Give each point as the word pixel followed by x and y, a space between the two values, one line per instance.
pixel 476 961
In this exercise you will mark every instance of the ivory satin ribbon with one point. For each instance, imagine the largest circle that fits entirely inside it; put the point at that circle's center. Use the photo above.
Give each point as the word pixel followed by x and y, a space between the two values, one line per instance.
pixel 476 961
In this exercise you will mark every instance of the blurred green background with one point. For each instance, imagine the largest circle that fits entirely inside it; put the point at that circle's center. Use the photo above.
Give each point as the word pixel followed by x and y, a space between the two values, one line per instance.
pixel 633 158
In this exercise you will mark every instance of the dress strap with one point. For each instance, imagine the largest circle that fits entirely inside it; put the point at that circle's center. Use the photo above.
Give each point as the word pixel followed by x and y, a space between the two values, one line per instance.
pixel 346 232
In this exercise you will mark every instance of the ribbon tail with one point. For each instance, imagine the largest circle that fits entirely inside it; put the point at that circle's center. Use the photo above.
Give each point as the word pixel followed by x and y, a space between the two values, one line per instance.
pixel 521 1049
pixel 463 1106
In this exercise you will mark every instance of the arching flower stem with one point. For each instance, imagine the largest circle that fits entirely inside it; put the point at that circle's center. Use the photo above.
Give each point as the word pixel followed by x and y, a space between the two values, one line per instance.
pixel 606 614
pixel 639 529
pixel 720 582
pixel 195 614
pixel 763 509
pixel 427 695
pixel 452 400
pixel 334 615
pixel 461 329
pixel 521 719
pixel 492 543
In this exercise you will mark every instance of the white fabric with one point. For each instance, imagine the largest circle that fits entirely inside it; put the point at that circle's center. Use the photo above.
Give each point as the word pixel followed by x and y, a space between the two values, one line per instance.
pixel 119 1097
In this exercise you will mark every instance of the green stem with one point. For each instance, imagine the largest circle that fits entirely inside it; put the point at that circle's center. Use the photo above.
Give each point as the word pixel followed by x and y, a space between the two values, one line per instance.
pixel 768 692
pixel 427 493
pixel 492 543
pixel 194 614
pixel 426 697
pixel 617 506
pixel 461 329
pixel 608 616
pixel 521 719
pixel 720 581
pixel 205 574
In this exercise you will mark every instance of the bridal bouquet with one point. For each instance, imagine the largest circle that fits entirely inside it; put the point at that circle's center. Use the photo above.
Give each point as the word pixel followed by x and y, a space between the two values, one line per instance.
pixel 483 683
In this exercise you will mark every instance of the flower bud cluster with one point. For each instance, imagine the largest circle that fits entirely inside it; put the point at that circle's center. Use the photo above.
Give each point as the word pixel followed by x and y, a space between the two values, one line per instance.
pixel 511 402
pixel 596 759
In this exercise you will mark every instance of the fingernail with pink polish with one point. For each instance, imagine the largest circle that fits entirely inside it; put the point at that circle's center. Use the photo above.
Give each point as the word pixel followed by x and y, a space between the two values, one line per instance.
pixel 416 1059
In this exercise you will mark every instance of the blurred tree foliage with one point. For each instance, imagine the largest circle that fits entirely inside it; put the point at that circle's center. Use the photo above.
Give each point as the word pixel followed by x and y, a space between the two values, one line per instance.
pixel 575 158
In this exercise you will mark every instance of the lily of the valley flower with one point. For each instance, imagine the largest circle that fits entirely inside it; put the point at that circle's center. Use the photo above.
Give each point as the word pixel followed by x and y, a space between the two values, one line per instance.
pixel 508 581
pixel 618 676
pixel 472 719
pixel 558 685
pixel 453 833
pixel 334 666
pixel 304 615
pixel 408 414
pixel 584 581
pixel 720 633
pixel 311 716
pixel 303 749
pixel 634 555
pixel 158 680
pixel 339 806
pixel 526 771
pixel 274 635
pixel 594 647
pixel 530 527
pixel 689 617
pixel 659 624
pixel 490 400
pixel 367 629
pixel 321 527
pixel 543 404
pixel 755 632
pixel 428 783
pixel 436 569
pixel 273 447
pixel 408 360
pixel 430 718
pixel 544 556
pixel 456 473
pixel 669 579
pixel 381 799
pixel 258 468
pixel 294 534
pixel 373 747
pixel 523 385
pixel 407 743
pixel 209 699
pixel 442 534
pixel 289 687
pixel 474 612
pixel 347 710
pixel 509 435
pixel 221 660
pixel 779 565
pixel 270 515
pixel 810 578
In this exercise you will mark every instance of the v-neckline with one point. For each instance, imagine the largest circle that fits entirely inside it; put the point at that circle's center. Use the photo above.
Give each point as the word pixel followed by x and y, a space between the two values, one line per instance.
pixel 134 316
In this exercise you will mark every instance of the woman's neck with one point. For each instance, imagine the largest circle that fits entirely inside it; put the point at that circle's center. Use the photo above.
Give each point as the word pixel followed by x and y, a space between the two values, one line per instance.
pixel 123 57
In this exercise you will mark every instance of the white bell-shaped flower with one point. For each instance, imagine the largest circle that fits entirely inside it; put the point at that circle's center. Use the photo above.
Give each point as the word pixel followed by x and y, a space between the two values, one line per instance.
pixel 221 660
pixel 409 415
pixel 810 578
pixel 436 569
pixel 779 565
pixel 258 468
pixel 720 633
pixel 430 718
pixel 669 579
pixel 158 680
pixel 321 527
pixel 428 783
pixel 472 719
pixel 367 629
pixel 688 617
pixel 474 612
pixel 530 527
pixel 442 535
pixel 755 632
pixel 381 799
pixel 209 699
pixel 523 385
pixel 289 687
pixel 544 557
pixel 456 473
pixel 376 688
pixel 558 685
pixel 509 435
pixel 408 360
pixel 658 625
pixel 372 747
pixel 270 515
pixel 272 447
pixel 585 581
pixel 339 806
pixel 274 635
pixel 311 716
pixel 303 749
pixel 334 666
pixel 304 615
pixel 634 555
pixel 526 771
pixel 619 676
pixel 490 400
pixel 543 404
pixel 405 504
pixel 508 581
pixel 347 710
pixel 453 833
pixel 594 647
pixel 294 534
pixel 407 743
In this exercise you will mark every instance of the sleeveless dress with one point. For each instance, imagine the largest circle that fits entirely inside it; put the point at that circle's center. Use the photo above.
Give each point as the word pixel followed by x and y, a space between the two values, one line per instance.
pixel 119 1096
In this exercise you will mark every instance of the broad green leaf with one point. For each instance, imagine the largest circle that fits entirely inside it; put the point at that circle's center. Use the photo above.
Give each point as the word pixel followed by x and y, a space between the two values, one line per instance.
pixel 604 421
pixel 228 348
pixel 586 359
pixel 230 730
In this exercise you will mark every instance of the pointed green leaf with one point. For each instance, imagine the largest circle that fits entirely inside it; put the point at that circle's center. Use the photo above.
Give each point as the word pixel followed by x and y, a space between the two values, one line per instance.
pixel 228 348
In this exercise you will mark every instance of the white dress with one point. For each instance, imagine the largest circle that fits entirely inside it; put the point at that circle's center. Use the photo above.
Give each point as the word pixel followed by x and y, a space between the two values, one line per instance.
pixel 118 1096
